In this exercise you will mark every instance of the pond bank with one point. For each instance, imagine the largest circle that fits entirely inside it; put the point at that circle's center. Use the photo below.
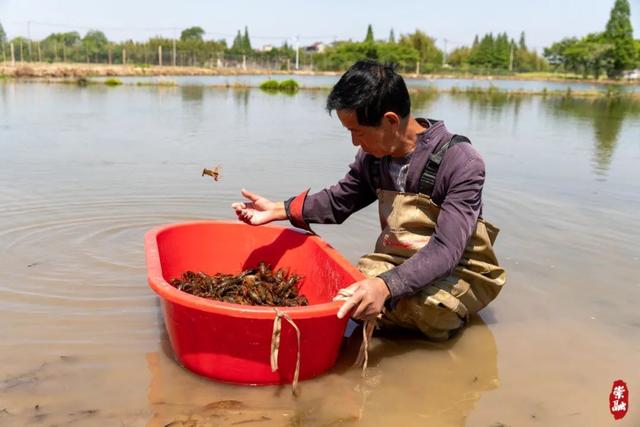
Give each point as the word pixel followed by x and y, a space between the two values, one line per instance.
pixel 490 91
pixel 43 70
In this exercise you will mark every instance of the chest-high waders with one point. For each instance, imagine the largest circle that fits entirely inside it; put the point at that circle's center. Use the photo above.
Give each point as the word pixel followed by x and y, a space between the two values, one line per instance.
pixel 408 220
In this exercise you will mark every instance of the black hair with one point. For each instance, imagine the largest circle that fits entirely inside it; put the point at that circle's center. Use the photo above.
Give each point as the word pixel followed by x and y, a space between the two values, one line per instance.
pixel 371 89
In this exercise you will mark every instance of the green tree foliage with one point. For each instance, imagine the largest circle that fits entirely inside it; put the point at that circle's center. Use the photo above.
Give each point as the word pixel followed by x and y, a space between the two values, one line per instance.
pixel 522 44
pixel 428 53
pixel 237 43
pixel 487 53
pixel 369 38
pixel 496 53
pixel 69 39
pixel 557 56
pixel 612 51
pixel 94 44
pixel 246 41
pixel 343 54
pixel 491 52
pixel 3 35
pixel 619 33
pixel 22 48
pixel 62 47
pixel 71 47
pixel 459 57
pixel 241 43
pixel 192 34
pixel 590 55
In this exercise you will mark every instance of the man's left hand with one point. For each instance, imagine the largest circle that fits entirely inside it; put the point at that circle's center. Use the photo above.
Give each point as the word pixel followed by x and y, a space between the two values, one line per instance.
pixel 366 296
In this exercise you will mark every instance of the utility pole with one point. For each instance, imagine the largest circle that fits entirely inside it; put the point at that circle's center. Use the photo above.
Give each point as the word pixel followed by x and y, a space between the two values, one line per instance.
pixel 160 55
pixel 124 56
pixel 511 58
pixel 13 56
pixel 29 36
pixel 444 56
pixel 175 36
pixel 297 53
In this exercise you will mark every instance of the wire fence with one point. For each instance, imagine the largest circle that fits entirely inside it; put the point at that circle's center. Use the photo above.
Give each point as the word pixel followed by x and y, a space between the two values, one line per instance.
pixel 147 54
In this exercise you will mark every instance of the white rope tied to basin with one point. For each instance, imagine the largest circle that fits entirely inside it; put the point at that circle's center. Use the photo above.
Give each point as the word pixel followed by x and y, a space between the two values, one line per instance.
pixel 367 331
pixel 363 353
pixel 275 345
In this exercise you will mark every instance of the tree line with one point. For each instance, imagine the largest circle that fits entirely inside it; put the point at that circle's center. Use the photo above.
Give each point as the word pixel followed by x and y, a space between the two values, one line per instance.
pixel 612 51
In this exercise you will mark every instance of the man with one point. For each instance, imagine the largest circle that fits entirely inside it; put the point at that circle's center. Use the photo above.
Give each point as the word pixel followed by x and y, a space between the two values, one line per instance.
pixel 433 263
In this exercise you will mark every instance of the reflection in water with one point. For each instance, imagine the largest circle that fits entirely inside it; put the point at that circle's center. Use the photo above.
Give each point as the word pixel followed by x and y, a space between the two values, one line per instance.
pixel 493 101
pixel 424 383
pixel 606 116
pixel 241 97
pixel 422 100
pixel 192 93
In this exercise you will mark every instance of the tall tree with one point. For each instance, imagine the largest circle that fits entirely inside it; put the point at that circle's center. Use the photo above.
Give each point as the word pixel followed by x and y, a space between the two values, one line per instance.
pixel 501 52
pixel 3 35
pixel 425 45
pixel 95 44
pixel 522 44
pixel 369 37
pixel 619 33
pixel 482 53
pixel 192 33
pixel 246 41
pixel 237 42
pixel 392 36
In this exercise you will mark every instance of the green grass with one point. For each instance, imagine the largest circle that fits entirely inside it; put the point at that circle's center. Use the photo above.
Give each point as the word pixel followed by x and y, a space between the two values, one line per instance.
pixel 112 82
pixel 270 85
pixel 160 83
pixel 288 86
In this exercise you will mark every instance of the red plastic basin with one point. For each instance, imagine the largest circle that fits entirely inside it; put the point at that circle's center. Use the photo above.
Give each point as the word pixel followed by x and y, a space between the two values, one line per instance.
pixel 232 342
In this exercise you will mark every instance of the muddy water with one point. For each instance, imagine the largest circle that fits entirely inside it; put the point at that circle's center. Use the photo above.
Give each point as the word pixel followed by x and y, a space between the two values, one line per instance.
pixel 84 172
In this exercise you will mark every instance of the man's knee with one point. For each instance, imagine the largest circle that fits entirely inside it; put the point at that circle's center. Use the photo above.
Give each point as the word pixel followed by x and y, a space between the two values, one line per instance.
pixel 436 321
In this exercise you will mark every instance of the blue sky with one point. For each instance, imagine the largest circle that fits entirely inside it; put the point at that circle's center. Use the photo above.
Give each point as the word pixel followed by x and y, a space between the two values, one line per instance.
pixel 457 21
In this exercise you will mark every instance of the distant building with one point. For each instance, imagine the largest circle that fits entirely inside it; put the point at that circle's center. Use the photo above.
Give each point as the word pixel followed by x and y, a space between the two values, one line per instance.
pixel 266 48
pixel 632 74
pixel 317 47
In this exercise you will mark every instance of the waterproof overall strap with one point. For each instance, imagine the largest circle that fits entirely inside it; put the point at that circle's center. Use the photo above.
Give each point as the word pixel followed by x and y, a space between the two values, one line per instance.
pixel 428 177
pixel 374 173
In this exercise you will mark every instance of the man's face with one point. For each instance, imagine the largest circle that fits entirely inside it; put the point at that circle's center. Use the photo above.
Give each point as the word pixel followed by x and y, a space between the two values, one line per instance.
pixel 375 140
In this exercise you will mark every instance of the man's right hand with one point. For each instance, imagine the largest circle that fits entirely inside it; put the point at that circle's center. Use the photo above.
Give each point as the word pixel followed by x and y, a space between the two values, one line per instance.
pixel 258 210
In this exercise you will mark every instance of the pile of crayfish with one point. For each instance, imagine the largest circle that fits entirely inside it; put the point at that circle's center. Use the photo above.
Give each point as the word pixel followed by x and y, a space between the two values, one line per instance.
pixel 255 286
